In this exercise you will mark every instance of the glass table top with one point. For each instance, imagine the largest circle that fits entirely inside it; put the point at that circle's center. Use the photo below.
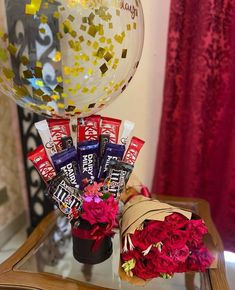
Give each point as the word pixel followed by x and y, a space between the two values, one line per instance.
pixel 54 255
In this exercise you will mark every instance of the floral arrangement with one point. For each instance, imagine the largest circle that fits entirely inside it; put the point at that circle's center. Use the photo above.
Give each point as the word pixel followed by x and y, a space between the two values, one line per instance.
pixel 164 242
pixel 100 211
pixel 85 165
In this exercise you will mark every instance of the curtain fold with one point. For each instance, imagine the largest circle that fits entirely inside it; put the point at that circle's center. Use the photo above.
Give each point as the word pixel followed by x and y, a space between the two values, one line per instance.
pixel 196 151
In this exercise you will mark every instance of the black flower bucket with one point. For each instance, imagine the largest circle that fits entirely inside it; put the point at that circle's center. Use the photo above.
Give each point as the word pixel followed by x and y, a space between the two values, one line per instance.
pixel 87 250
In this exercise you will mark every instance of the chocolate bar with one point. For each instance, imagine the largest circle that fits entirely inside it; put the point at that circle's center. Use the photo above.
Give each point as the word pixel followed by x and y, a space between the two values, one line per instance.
pixel 112 152
pixel 67 161
pixel 41 162
pixel 88 152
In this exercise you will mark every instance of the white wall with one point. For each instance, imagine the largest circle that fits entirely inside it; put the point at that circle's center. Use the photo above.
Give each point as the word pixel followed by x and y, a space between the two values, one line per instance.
pixel 142 101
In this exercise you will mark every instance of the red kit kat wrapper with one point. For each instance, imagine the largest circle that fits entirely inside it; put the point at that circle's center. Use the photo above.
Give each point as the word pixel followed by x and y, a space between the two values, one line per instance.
pixel 90 130
pixel 133 151
pixel 59 129
pixel 42 164
pixel 111 127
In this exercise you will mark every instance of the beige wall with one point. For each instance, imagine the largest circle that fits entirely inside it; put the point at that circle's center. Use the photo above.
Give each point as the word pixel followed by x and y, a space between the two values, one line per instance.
pixel 10 176
pixel 142 101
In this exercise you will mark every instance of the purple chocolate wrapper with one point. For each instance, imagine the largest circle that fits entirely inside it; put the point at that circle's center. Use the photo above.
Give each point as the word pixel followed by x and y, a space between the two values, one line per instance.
pixel 112 152
pixel 88 152
pixel 67 162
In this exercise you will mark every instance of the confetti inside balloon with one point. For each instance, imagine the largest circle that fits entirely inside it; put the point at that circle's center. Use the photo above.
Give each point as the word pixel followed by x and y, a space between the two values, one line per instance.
pixel 65 58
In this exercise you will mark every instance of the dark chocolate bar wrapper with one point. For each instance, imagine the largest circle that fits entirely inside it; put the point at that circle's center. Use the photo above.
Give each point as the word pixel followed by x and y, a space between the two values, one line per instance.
pixel 118 176
pixel 67 162
pixel 104 139
pixel 63 194
pixel 88 153
pixel 112 152
pixel 67 142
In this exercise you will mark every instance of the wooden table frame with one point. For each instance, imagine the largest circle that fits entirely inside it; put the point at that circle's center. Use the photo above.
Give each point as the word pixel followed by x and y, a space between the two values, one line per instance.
pixel 12 279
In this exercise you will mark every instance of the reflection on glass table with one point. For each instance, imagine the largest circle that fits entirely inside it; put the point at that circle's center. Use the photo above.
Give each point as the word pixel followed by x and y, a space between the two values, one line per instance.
pixel 47 260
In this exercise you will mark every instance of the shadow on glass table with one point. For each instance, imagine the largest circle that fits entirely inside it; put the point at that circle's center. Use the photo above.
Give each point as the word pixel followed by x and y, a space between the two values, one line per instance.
pixel 46 260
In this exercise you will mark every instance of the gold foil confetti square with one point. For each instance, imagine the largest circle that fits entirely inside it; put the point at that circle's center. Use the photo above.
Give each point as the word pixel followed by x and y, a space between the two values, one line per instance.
pixel 39 83
pixel 102 39
pixel 12 49
pixel 81 38
pixel 95 45
pixel 90 71
pixel 108 56
pixel 85 90
pixel 128 27
pixel 78 87
pixel 9 74
pixel 83 27
pixel 118 12
pixel 109 41
pixel 124 53
pixel 93 89
pixel 55 97
pixel 118 38
pixel 71 18
pixel 134 25
pixel 57 56
pixel 46 98
pixel 73 33
pixel 100 52
pixel 28 74
pixel 92 31
pixel 103 68
pixel 110 25
pixel 56 15
pixel 38 64
pixel 38 72
pixel 59 79
pixel 39 92
pixel 42 30
pixel 84 20
pixel 71 103
pixel 43 19
pixel 33 7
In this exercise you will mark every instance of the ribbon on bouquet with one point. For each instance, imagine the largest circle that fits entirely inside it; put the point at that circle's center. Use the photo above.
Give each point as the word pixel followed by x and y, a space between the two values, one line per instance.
pixel 97 234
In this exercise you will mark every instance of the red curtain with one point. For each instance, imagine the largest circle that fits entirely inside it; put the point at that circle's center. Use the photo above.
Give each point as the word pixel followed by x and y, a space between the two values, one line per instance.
pixel 196 153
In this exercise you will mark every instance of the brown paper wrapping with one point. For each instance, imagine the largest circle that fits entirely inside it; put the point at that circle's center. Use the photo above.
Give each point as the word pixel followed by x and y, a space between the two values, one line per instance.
pixel 141 208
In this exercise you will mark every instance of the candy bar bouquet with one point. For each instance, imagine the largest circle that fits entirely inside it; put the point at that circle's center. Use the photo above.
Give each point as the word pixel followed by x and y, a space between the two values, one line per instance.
pixel 159 240
pixel 86 166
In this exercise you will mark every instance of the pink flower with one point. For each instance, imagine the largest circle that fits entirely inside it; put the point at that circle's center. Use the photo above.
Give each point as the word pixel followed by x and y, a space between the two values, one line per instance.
pixel 93 189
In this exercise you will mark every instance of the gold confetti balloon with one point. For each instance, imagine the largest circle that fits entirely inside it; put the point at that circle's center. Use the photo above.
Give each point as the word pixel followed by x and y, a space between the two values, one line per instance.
pixel 64 58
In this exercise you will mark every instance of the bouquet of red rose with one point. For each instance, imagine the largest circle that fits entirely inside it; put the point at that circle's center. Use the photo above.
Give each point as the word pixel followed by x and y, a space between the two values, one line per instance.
pixel 159 240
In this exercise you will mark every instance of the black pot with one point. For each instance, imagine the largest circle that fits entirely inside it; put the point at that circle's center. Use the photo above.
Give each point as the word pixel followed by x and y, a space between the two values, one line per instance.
pixel 82 248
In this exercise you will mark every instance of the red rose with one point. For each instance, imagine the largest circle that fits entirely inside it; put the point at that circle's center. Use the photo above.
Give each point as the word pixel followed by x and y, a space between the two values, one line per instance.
pixel 176 220
pixel 180 255
pixel 199 260
pixel 196 230
pixel 165 264
pixel 176 239
pixel 127 256
pixel 153 232
pixel 145 268
pixel 102 212
pixel 112 205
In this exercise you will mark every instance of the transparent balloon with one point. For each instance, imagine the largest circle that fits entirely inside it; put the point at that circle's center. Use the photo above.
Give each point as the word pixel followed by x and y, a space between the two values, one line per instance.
pixel 64 58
